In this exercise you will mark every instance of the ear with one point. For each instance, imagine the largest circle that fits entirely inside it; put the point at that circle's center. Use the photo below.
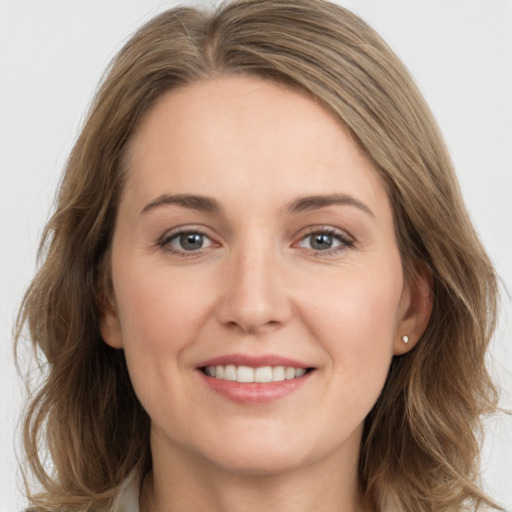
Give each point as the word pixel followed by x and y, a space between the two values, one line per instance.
pixel 110 326
pixel 415 309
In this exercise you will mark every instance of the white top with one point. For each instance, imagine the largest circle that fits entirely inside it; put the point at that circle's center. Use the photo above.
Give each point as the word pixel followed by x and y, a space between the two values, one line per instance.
pixel 128 499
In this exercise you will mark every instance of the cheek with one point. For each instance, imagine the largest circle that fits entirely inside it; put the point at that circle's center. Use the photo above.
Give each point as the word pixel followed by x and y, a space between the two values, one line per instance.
pixel 161 315
pixel 354 315
pixel 158 307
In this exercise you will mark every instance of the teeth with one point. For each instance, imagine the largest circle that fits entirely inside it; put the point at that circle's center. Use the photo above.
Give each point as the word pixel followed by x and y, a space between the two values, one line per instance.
pixel 247 374
pixel 211 371
pixel 289 373
pixel 230 372
pixel 278 373
pixel 263 374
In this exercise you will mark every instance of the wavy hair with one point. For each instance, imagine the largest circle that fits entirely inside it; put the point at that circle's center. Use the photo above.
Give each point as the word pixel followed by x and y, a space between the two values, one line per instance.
pixel 420 446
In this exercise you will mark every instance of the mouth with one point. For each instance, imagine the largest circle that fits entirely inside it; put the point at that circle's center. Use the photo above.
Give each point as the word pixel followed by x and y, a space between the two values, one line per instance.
pixel 250 379
pixel 260 374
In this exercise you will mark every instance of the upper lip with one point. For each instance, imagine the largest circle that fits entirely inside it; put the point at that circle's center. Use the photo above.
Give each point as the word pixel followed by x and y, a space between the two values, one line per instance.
pixel 253 361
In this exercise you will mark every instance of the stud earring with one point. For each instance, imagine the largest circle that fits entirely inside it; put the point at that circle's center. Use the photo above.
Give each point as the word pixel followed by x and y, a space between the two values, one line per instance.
pixel 405 339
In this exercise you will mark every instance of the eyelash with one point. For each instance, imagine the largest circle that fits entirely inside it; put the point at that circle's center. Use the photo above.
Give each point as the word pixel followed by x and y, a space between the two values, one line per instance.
pixel 345 242
pixel 165 241
pixel 343 238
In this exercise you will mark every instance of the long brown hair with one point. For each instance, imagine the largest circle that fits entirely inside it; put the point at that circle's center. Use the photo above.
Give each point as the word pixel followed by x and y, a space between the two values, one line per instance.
pixel 420 444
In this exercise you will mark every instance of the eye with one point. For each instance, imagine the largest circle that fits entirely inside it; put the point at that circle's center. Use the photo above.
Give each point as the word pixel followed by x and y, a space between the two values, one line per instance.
pixel 186 241
pixel 325 240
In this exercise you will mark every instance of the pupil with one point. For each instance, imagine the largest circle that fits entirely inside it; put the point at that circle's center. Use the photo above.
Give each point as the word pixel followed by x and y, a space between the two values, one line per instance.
pixel 322 242
pixel 191 241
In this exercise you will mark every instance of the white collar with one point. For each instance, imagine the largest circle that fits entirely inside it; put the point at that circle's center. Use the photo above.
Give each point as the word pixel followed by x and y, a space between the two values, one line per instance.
pixel 128 498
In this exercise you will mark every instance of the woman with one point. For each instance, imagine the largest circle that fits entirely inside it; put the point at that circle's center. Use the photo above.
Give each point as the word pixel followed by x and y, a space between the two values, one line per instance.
pixel 261 288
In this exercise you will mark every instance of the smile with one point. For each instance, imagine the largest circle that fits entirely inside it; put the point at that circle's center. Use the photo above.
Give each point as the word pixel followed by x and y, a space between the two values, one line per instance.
pixel 250 379
pixel 247 374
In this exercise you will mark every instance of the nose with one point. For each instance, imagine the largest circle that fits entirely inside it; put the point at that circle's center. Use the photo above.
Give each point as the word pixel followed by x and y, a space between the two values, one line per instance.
pixel 254 297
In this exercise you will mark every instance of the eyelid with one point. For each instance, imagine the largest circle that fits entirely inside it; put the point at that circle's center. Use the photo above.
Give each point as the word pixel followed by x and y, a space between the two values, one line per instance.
pixel 163 241
pixel 347 240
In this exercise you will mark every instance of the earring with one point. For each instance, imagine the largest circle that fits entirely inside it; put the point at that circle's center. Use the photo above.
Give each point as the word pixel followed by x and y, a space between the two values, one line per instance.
pixel 405 339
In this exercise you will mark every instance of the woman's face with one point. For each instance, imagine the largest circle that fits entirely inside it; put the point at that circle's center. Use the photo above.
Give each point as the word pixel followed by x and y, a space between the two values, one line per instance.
pixel 253 236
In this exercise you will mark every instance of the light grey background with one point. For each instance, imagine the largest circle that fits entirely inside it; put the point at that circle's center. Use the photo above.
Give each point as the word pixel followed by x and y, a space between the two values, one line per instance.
pixel 53 53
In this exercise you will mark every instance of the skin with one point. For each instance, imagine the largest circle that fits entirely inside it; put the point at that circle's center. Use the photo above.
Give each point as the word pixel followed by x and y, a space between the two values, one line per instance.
pixel 258 285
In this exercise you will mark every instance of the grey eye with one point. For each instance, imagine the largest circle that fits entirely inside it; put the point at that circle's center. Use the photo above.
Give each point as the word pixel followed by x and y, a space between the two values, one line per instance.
pixel 321 241
pixel 189 241
pixel 325 241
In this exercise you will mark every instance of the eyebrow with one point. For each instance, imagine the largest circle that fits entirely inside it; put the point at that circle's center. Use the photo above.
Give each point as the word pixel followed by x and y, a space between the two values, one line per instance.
pixel 303 204
pixel 193 202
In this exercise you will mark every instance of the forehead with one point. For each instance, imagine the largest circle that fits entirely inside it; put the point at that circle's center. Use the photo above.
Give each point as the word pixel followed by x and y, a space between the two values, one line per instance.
pixel 245 135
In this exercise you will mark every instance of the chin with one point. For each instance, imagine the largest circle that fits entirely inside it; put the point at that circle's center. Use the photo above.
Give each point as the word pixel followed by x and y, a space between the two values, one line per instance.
pixel 261 455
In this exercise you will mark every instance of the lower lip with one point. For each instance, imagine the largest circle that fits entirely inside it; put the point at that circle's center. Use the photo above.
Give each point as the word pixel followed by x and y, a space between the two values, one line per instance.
pixel 255 392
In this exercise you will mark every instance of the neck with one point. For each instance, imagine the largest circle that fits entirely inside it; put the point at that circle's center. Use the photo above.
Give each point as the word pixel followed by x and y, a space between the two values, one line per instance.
pixel 184 482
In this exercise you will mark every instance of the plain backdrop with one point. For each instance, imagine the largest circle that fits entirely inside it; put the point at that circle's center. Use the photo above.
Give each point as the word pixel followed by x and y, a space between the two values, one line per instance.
pixel 53 53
